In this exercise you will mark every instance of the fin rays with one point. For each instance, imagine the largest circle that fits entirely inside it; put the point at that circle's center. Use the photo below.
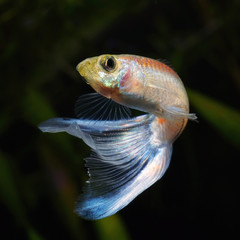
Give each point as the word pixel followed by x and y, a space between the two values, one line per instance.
pixel 94 106
pixel 124 161
pixel 115 167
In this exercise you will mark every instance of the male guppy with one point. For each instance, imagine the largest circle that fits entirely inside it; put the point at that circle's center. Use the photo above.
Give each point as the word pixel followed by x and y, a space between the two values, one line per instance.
pixel 128 154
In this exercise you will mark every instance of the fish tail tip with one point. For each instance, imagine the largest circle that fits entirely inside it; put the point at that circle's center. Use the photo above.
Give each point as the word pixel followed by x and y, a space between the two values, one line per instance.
pixel 90 209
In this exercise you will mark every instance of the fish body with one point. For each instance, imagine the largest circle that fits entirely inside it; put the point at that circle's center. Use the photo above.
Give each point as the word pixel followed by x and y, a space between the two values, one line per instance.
pixel 137 82
pixel 141 83
pixel 128 155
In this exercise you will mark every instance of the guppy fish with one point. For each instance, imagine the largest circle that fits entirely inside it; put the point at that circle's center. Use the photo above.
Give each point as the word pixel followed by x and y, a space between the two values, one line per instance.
pixel 128 154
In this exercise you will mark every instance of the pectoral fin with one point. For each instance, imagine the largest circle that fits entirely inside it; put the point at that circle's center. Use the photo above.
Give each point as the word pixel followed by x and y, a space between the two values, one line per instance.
pixel 94 106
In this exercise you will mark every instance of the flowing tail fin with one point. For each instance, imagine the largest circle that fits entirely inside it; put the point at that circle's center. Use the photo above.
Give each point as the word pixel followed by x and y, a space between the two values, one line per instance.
pixel 125 161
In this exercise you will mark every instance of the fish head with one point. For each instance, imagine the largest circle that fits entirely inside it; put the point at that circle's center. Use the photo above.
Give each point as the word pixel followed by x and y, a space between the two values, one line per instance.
pixel 103 73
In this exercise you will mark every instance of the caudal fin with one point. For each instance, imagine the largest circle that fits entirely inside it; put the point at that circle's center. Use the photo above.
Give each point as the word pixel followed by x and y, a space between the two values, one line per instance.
pixel 124 162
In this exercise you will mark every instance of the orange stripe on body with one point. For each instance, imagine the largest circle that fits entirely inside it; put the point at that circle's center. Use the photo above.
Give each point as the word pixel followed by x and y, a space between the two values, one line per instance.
pixel 152 64
pixel 161 120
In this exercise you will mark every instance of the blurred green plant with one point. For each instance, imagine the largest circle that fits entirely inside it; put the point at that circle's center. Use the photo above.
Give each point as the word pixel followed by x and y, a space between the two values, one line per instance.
pixel 223 118
pixel 111 228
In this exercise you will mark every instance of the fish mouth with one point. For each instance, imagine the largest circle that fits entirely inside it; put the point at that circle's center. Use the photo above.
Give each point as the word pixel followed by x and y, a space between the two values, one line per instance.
pixel 82 68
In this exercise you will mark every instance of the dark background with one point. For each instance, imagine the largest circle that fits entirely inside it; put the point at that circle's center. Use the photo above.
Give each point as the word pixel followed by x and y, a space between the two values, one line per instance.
pixel 41 175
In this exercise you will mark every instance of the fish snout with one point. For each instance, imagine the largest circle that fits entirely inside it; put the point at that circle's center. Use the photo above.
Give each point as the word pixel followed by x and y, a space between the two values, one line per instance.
pixel 83 66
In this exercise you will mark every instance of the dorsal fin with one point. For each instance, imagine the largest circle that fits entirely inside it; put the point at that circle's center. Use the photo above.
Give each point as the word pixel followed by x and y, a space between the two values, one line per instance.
pixel 94 106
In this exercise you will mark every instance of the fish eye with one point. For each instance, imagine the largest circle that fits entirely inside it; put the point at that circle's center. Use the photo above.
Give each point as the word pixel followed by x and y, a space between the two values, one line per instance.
pixel 109 64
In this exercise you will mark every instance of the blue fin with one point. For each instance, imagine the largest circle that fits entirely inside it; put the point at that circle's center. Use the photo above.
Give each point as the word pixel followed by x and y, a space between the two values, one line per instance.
pixel 125 161
pixel 94 106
